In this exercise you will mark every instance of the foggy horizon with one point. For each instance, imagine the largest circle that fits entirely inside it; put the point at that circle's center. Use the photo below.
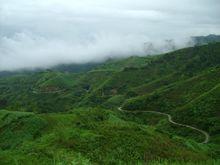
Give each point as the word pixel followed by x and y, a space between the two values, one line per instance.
pixel 35 34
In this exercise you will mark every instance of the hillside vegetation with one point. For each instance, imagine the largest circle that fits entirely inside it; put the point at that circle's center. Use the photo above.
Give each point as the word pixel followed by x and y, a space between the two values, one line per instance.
pixel 55 117
pixel 88 136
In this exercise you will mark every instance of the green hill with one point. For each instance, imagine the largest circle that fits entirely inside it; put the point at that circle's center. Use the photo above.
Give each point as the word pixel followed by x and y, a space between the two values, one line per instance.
pixel 55 117
pixel 88 136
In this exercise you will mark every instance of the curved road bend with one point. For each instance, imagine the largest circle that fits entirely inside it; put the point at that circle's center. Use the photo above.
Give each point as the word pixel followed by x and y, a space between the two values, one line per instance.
pixel 207 137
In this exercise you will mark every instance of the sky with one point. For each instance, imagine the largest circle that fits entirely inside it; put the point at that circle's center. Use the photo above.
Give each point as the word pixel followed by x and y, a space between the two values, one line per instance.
pixel 44 33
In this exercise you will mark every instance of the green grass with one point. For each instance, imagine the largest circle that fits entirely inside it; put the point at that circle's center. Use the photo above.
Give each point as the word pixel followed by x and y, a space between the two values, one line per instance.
pixel 66 127
pixel 87 136
pixel 177 98
pixel 167 162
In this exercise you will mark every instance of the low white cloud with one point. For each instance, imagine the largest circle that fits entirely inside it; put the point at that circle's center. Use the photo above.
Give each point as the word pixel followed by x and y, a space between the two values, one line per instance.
pixel 41 34
pixel 24 50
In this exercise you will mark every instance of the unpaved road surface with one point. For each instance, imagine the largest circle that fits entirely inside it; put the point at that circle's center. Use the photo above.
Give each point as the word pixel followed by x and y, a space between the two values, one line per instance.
pixel 206 135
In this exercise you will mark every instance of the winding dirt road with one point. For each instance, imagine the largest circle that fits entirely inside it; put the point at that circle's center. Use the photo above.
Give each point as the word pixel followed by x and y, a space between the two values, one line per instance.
pixel 207 137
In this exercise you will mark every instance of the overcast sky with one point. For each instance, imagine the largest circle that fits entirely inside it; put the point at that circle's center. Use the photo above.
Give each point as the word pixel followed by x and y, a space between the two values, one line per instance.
pixel 43 33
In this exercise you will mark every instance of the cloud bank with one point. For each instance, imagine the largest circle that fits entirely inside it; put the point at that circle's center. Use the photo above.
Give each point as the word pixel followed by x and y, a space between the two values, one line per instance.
pixel 41 34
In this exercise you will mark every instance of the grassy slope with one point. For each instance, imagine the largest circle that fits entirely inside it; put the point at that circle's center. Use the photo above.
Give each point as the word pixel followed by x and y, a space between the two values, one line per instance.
pixel 120 64
pixel 104 85
pixel 35 92
pixel 164 69
pixel 89 136
pixel 173 97
pixel 184 83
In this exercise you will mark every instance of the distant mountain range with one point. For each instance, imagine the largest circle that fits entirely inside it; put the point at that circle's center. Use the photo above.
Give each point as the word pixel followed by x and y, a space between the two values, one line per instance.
pixel 170 44
pixel 201 40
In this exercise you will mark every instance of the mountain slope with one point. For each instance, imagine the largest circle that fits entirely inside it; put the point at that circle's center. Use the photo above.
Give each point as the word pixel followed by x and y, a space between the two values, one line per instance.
pixel 76 117
pixel 87 135
pixel 176 66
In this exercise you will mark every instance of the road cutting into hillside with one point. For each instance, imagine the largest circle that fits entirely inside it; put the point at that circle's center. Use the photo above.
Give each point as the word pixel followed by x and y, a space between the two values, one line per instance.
pixel 206 135
pixel 48 92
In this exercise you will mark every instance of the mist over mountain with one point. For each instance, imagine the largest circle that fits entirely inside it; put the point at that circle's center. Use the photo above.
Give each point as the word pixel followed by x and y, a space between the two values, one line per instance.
pixel 42 34
pixel 109 82
pixel 145 110
pixel 149 48
pixel 201 40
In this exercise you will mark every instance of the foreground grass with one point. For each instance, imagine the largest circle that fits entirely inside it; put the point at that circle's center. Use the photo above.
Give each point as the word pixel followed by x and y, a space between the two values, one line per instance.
pixel 167 162
pixel 89 136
